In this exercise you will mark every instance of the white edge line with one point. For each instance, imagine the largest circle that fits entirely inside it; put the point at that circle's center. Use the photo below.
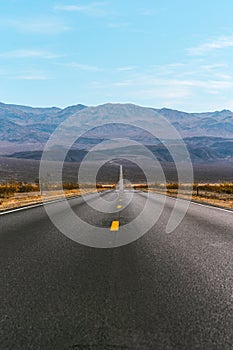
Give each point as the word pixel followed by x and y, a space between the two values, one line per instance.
pixel 209 206
pixel 36 205
pixel 60 200
pixel 212 207
pixel 42 204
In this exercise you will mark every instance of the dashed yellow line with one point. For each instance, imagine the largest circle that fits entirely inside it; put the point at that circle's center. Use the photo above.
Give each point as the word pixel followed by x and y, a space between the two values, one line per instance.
pixel 115 226
pixel 119 206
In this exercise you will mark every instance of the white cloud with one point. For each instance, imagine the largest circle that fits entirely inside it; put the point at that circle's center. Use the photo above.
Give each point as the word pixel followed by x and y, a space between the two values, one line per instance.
pixel 126 68
pixel 41 25
pixel 92 9
pixel 3 71
pixel 163 94
pixel 25 53
pixel 122 83
pixel 216 44
pixel 148 12
pixel 171 85
pixel 31 77
pixel 118 25
pixel 84 67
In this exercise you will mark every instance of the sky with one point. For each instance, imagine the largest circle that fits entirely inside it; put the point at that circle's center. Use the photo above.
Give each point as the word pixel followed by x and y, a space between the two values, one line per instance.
pixel 162 53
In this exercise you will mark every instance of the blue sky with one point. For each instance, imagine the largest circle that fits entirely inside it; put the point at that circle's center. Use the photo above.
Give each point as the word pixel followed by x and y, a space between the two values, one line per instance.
pixel 176 54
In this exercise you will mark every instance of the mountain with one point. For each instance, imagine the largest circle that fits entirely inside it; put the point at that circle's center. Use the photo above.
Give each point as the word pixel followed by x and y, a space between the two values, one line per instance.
pixel 219 124
pixel 24 115
pixel 201 149
pixel 27 128
pixel 24 130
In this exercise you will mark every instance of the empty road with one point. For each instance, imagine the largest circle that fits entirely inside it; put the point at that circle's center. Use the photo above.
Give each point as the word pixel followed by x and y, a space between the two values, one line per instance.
pixel 163 291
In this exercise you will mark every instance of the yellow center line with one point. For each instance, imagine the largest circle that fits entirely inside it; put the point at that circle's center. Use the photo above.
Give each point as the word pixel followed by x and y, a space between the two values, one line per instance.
pixel 119 206
pixel 115 226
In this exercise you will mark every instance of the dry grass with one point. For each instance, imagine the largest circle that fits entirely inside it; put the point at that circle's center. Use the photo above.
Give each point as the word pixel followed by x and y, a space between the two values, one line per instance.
pixel 221 202
pixel 210 195
pixel 23 199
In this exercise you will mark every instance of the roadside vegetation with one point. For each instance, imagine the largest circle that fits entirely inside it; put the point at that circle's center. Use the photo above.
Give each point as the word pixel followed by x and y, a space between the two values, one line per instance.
pixel 216 194
pixel 16 194
pixel 12 187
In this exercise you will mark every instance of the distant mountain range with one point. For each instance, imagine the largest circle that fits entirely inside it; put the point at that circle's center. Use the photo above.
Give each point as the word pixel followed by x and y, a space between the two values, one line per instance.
pixel 25 130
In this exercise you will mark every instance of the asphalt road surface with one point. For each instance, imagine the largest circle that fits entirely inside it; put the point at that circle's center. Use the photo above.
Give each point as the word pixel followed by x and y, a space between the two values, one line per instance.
pixel 163 291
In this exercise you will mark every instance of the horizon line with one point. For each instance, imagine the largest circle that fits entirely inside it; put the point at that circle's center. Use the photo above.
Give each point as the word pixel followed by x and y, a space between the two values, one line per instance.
pixel 111 103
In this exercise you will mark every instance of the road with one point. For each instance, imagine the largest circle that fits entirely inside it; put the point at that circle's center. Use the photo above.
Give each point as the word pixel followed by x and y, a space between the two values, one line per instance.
pixel 163 291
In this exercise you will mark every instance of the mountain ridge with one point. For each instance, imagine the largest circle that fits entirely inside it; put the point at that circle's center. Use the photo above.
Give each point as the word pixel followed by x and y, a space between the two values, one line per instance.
pixel 25 128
